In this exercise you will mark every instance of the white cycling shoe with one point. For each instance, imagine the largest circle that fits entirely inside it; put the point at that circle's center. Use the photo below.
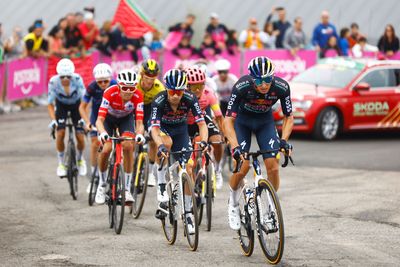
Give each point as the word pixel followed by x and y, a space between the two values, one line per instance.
pixel 128 197
pixel 61 170
pixel 234 217
pixel 100 195
pixel 82 168
pixel 152 179
pixel 190 224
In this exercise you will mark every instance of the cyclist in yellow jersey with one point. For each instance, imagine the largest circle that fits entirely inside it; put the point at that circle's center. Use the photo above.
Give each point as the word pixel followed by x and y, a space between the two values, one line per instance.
pixel 150 86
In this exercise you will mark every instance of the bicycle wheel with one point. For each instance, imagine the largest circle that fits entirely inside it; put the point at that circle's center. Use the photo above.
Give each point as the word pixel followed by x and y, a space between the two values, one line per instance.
pixel 209 194
pixel 269 222
pixel 139 186
pixel 108 194
pixel 119 199
pixel 169 223
pixel 246 233
pixel 72 171
pixel 199 189
pixel 94 183
pixel 193 239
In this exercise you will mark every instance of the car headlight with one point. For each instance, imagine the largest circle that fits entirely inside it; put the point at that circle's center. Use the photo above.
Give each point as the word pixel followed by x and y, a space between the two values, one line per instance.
pixel 303 105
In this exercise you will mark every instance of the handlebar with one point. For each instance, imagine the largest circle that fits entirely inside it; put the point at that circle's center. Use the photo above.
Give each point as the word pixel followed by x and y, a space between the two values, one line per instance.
pixel 179 153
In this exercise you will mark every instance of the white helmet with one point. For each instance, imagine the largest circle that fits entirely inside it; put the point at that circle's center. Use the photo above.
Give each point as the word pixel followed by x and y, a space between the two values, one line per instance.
pixel 65 67
pixel 222 64
pixel 102 70
pixel 127 78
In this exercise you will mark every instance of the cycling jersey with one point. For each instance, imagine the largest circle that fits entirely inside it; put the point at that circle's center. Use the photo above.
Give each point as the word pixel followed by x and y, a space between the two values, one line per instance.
pixel 148 96
pixel 245 100
pixel 224 89
pixel 163 115
pixel 207 99
pixel 57 91
pixel 113 104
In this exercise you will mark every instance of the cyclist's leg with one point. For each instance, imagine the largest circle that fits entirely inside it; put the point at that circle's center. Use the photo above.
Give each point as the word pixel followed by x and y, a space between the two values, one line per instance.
pixel 79 132
pixel 94 145
pixel 109 125
pixel 127 129
pixel 193 131
pixel 61 116
pixel 162 195
pixel 215 136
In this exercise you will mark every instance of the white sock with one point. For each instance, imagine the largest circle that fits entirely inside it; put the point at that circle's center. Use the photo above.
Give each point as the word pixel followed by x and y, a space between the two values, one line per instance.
pixel 234 196
pixel 60 156
pixel 218 166
pixel 79 156
pixel 128 180
pixel 151 168
pixel 92 168
pixel 188 203
pixel 103 178
pixel 161 174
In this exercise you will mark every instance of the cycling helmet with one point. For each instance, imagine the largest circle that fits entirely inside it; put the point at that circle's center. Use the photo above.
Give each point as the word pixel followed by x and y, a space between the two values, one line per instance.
pixel 127 78
pixel 261 67
pixel 175 79
pixel 222 65
pixel 150 67
pixel 65 67
pixel 195 75
pixel 102 71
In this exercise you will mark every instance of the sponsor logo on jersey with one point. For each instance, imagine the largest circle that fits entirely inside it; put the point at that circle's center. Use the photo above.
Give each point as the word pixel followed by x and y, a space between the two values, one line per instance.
pixel 281 84
pixel 242 84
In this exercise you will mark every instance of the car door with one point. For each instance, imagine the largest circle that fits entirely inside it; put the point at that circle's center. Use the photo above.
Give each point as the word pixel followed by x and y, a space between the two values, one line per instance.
pixel 378 106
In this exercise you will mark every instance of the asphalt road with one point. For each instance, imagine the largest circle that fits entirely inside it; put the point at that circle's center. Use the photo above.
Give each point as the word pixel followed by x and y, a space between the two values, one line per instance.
pixel 340 206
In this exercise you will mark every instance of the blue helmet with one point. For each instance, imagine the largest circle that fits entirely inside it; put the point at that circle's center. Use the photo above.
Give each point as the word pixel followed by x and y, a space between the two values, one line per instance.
pixel 175 79
pixel 261 67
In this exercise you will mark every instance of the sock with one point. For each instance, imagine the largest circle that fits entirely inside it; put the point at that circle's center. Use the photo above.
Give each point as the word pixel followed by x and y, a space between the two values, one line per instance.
pixel 92 168
pixel 60 156
pixel 128 180
pixel 234 196
pixel 188 203
pixel 151 167
pixel 79 155
pixel 161 174
pixel 218 166
pixel 103 178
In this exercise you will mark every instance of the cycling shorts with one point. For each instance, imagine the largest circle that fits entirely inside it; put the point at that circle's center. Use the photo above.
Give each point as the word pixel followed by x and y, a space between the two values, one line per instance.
pixel 180 141
pixel 125 125
pixel 62 114
pixel 212 128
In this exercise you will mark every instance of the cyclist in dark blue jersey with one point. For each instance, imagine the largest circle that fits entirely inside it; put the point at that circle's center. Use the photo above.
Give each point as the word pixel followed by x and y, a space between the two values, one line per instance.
pixel 249 111
pixel 102 74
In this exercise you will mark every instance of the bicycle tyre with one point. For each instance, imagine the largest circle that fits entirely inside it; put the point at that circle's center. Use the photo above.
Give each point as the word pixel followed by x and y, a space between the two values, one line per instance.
pixel 169 224
pixel 275 257
pixel 139 193
pixel 193 239
pixel 94 183
pixel 245 233
pixel 209 195
pixel 200 178
pixel 119 201
pixel 72 171
pixel 108 194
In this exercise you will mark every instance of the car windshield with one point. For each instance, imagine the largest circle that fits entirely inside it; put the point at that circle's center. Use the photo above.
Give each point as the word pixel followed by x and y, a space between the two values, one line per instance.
pixel 330 75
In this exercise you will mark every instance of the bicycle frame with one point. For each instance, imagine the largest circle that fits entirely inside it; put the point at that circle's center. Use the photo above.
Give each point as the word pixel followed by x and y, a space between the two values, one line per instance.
pixel 142 154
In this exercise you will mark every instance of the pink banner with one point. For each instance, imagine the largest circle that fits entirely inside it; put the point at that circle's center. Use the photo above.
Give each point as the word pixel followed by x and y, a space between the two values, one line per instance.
pixel 286 66
pixel 26 78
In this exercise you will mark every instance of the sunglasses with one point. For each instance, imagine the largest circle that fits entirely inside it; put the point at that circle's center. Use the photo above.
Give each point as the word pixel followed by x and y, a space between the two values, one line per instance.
pixel 223 72
pixel 196 87
pixel 128 89
pixel 65 77
pixel 103 81
pixel 175 92
pixel 260 81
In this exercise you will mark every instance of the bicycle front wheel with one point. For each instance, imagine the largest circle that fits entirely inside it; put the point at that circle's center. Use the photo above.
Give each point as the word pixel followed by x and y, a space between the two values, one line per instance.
pixel 209 194
pixel 169 223
pixel 72 171
pixel 118 196
pixel 139 186
pixel 94 183
pixel 269 222
pixel 246 233
pixel 191 231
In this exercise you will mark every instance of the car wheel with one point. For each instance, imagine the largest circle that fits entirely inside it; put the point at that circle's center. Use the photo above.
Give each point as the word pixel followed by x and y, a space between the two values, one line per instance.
pixel 327 124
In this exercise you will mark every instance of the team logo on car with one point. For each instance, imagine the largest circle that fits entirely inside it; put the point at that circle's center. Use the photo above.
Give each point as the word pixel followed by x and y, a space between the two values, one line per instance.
pixel 370 108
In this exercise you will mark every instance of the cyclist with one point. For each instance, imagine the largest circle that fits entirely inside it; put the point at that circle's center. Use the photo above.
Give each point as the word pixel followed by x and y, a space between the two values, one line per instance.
pixel 150 86
pixel 66 90
pixel 169 129
pixel 102 74
pixel 208 101
pixel 117 111
pixel 224 81
pixel 249 111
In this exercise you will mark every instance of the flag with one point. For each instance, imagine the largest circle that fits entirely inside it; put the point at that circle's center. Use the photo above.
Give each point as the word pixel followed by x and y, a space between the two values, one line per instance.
pixel 133 20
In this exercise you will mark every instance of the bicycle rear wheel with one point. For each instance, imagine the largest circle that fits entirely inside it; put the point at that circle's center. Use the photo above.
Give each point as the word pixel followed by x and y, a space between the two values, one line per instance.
pixel 246 233
pixel 139 187
pixel 119 200
pixel 193 239
pixel 169 223
pixel 269 222
pixel 94 183
pixel 72 171
pixel 209 195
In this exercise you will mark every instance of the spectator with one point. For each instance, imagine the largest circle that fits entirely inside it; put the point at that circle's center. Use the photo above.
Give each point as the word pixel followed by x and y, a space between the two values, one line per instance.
pixel 118 38
pixel 362 46
pixel 14 46
pixel 323 31
pixel 253 38
pixel 331 49
pixel 35 44
pixel 184 50
pixel 343 41
pixel 156 42
pixel 295 38
pixel 133 45
pixel 1 48
pixel 232 44
pixel 73 37
pixel 32 27
pixel 218 31
pixel 280 25
pixel 89 30
pixel 271 35
pixel 185 27
pixel 56 42
pixel 355 34
pixel 389 43
pixel 104 43
pixel 208 47
pixel 79 18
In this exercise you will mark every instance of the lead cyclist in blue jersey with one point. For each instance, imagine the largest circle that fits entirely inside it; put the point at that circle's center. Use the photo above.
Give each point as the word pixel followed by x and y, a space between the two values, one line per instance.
pixel 65 92
pixel 249 111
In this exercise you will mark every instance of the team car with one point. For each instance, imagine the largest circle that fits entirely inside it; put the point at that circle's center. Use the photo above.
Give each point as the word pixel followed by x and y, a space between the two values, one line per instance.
pixel 340 95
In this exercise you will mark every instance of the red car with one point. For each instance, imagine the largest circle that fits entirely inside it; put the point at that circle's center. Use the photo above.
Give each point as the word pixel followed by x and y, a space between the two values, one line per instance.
pixel 344 95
